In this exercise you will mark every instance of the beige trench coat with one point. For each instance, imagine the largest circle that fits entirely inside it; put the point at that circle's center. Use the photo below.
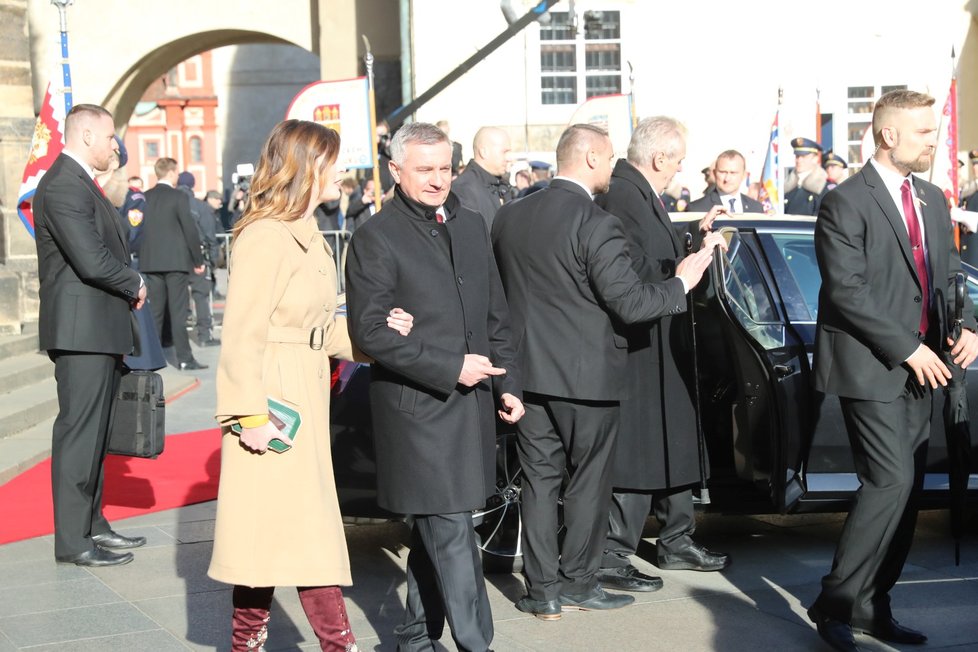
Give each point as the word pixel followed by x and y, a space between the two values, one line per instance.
pixel 278 519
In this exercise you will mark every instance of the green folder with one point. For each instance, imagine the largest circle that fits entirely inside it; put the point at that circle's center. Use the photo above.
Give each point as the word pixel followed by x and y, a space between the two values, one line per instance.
pixel 284 417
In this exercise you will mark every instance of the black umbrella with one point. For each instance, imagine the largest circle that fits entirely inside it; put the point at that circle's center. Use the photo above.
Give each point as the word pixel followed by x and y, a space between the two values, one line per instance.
pixel 700 436
pixel 957 428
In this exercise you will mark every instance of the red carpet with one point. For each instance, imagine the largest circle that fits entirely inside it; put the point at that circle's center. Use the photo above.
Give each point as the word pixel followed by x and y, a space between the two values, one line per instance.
pixel 186 473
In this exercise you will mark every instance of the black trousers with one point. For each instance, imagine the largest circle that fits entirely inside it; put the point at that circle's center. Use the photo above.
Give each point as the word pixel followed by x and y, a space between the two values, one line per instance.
pixel 626 520
pixel 889 447
pixel 557 435
pixel 445 581
pixel 200 290
pixel 87 383
pixel 168 292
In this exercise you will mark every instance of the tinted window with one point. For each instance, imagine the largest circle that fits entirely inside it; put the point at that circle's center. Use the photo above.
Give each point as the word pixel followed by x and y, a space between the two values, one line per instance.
pixel 798 253
pixel 748 296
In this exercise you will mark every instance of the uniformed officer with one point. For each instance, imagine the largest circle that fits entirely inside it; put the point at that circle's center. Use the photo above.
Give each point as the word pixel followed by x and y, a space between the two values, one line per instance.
pixel 805 185
pixel 541 178
pixel 969 240
pixel 131 211
pixel 969 188
pixel 836 169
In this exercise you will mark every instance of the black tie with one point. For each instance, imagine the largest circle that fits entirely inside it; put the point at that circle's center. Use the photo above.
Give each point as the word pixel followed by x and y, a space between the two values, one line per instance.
pixel 733 202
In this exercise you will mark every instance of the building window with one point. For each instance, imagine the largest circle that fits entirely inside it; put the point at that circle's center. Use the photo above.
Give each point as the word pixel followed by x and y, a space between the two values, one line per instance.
pixel 196 150
pixel 152 149
pixel 861 101
pixel 580 62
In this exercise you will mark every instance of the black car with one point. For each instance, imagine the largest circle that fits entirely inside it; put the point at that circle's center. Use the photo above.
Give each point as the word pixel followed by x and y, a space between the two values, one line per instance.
pixel 774 443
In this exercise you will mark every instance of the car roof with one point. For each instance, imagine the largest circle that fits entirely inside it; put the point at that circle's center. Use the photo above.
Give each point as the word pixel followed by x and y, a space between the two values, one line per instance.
pixel 756 221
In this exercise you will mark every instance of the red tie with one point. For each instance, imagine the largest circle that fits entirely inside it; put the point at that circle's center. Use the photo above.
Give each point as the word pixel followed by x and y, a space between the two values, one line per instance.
pixel 99 186
pixel 439 218
pixel 913 228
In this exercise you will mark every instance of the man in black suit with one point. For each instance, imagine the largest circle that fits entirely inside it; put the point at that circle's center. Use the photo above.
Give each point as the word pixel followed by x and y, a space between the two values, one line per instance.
pixel 484 185
pixel 883 243
pixel 87 293
pixel 656 460
pixel 728 173
pixel 566 271
pixel 170 251
pixel 432 393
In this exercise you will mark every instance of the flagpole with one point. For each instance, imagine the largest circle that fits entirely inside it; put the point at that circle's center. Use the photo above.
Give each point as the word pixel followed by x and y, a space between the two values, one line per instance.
pixel 777 156
pixel 62 6
pixel 631 95
pixel 818 116
pixel 368 60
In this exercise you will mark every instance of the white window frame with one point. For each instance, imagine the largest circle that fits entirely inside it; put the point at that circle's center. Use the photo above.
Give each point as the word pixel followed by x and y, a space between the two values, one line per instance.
pixel 580 43
pixel 854 118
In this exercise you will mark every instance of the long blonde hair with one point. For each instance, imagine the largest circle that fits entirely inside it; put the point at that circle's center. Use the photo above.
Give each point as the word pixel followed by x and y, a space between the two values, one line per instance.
pixel 281 188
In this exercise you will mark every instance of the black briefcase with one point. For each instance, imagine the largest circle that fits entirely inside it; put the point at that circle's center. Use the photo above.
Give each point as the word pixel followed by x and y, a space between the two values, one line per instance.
pixel 136 427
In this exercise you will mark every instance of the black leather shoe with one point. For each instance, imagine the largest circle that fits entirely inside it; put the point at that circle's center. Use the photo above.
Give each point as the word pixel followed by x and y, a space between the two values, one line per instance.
pixel 628 578
pixel 893 632
pixel 542 609
pixel 692 557
pixel 594 600
pixel 115 541
pixel 97 557
pixel 193 364
pixel 834 632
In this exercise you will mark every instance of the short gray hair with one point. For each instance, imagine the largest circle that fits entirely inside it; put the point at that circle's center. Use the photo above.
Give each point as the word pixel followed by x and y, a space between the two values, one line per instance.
pixel 657 134
pixel 415 132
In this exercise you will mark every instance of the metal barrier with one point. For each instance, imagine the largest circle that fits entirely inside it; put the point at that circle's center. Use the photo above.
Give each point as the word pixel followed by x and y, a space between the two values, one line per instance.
pixel 337 241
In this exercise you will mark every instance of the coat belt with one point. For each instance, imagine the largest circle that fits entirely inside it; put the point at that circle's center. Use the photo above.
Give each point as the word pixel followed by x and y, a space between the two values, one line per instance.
pixel 311 337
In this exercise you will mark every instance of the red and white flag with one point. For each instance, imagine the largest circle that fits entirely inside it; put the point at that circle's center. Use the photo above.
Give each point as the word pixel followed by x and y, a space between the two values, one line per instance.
pixel 46 145
pixel 944 172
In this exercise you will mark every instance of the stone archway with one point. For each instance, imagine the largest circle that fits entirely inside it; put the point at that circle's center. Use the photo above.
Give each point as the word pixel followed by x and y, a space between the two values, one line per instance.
pixel 121 98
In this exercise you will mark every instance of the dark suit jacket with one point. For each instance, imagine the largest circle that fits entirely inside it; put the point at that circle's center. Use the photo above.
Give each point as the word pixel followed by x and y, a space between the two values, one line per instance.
pixel 565 267
pixel 712 198
pixel 869 304
pixel 169 237
pixel 657 445
pixel 435 439
pixel 83 265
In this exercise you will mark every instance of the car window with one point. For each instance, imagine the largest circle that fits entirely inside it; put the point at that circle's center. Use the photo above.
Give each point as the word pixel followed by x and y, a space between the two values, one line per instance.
pixel 748 296
pixel 798 252
pixel 973 292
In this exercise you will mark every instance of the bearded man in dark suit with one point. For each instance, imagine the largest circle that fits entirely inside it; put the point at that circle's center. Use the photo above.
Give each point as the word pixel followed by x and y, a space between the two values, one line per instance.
pixel 567 273
pixel 883 242
pixel 87 292
pixel 432 393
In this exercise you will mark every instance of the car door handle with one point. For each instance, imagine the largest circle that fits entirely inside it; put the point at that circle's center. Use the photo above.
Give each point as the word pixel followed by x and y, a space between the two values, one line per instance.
pixel 783 370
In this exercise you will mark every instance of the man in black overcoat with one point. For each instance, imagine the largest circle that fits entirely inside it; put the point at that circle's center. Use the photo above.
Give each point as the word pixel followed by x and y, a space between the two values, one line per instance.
pixel 433 393
pixel 87 293
pixel 484 184
pixel 169 252
pixel 728 172
pixel 883 243
pixel 656 461
pixel 566 271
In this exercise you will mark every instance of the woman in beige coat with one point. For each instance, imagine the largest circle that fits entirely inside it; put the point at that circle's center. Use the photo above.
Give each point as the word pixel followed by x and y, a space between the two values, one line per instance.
pixel 278 519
